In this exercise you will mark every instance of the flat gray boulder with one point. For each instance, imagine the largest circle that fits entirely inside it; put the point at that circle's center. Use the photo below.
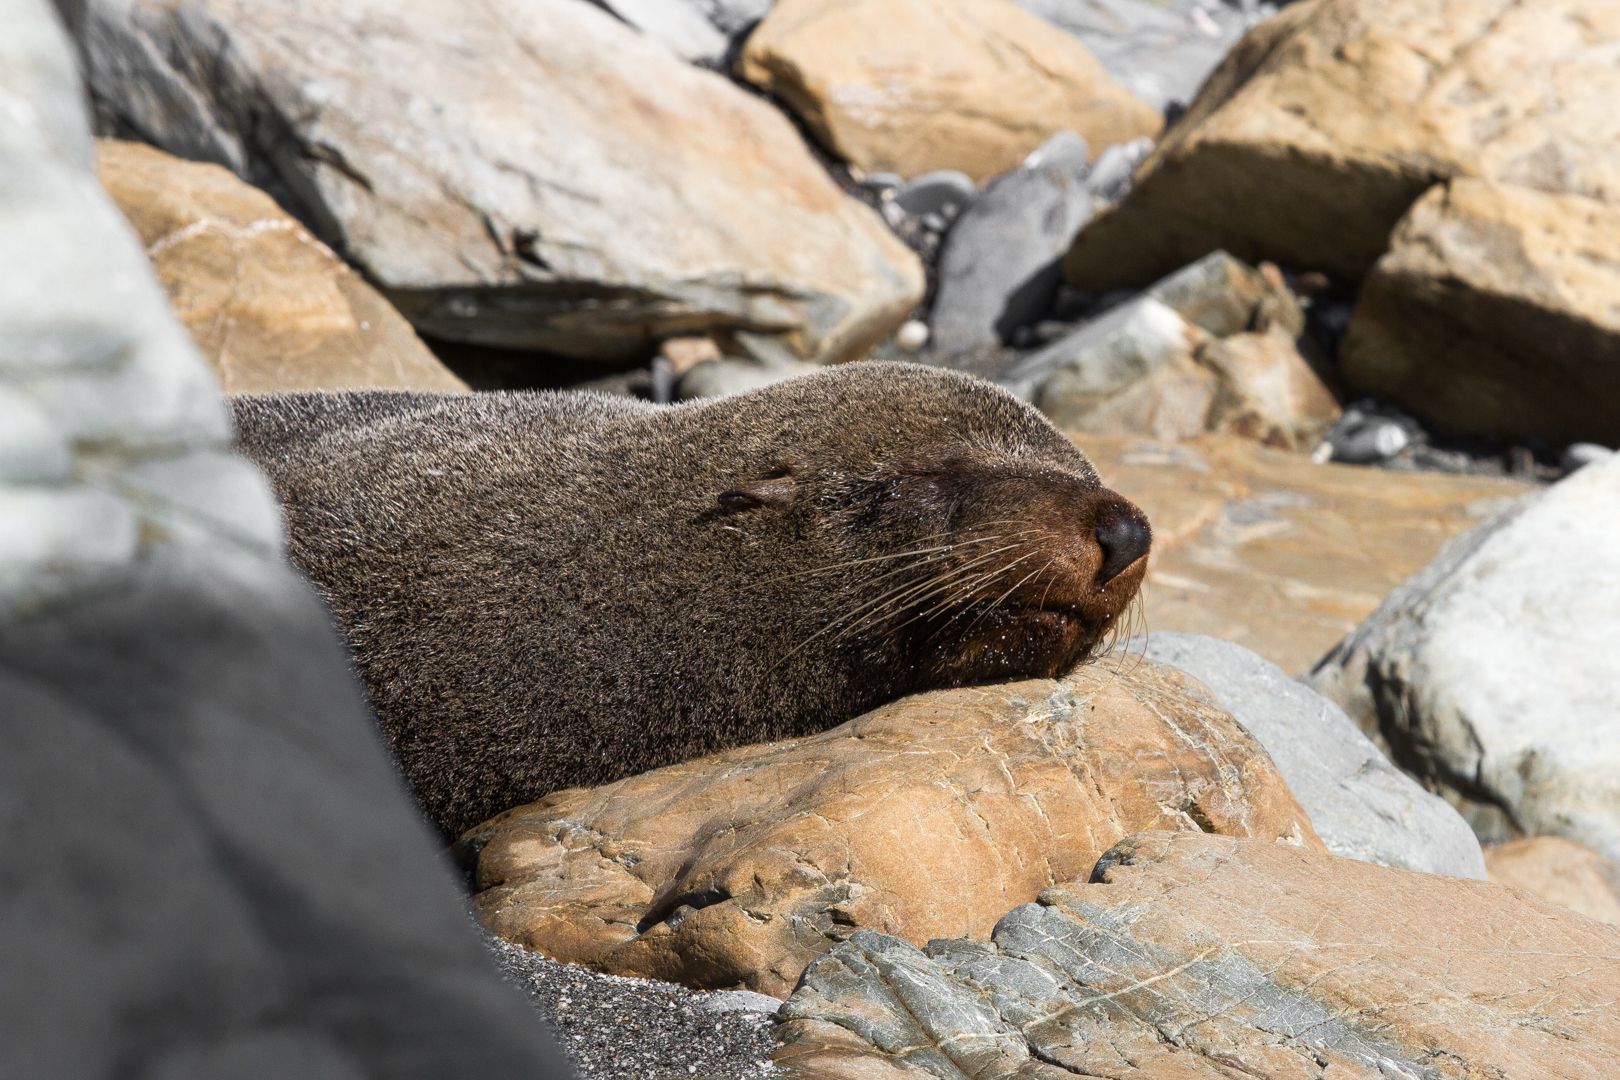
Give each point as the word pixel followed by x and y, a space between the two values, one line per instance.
pixel 533 174
pixel 1362 806
pixel 210 868
pixel 1492 673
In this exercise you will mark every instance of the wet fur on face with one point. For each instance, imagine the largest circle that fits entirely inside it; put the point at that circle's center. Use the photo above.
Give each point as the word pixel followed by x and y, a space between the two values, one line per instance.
pixel 552 590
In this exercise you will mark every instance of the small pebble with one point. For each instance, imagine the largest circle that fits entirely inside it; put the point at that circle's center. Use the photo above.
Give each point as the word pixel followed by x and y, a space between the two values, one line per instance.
pixel 912 336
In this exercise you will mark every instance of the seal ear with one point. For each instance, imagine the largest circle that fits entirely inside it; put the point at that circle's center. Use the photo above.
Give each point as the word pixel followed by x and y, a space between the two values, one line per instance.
pixel 774 491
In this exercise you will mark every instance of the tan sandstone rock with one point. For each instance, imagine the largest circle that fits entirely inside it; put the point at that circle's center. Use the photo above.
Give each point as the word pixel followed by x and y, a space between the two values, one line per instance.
pixel 910 86
pixel 1324 125
pixel 1560 872
pixel 1266 549
pixel 1497 309
pixel 1193 957
pixel 929 817
pixel 269 305
pixel 1266 391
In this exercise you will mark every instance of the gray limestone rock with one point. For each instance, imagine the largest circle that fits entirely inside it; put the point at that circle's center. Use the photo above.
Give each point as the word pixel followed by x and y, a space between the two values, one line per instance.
pixel 1000 266
pixel 211 868
pixel 531 175
pixel 1362 806
pixel 1491 673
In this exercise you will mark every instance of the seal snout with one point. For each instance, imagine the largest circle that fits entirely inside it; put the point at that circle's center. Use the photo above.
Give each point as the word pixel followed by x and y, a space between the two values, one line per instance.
pixel 1124 538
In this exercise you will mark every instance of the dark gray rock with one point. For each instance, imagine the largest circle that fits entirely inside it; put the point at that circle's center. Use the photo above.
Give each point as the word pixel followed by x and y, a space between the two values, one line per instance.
pixel 1362 806
pixel 210 868
pixel 1000 266
pixel 946 192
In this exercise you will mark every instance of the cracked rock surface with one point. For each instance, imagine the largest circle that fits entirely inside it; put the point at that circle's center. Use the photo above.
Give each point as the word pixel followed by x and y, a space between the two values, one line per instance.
pixel 1326 123
pixel 531 174
pixel 1192 956
pixel 927 818
pixel 270 307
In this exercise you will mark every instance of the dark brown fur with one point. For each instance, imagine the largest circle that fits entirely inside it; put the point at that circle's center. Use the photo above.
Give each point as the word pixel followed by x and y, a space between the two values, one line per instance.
pixel 549 590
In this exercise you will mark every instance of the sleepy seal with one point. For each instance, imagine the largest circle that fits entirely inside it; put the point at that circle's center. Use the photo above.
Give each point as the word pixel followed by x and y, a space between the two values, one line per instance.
pixel 547 590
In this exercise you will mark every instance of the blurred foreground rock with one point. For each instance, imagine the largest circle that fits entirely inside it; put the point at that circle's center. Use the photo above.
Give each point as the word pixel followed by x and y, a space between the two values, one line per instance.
pixel 1192 957
pixel 1560 872
pixel 483 176
pixel 1497 310
pixel 1361 806
pixel 270 307
pixel 211 868
pixel 909 86
pixel 925 818
pixel 1328 121
pixel 1266 549
pixel 1491 672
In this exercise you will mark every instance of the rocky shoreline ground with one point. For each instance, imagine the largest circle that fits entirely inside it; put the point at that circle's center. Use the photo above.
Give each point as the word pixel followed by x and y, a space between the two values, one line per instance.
pixel 1331 289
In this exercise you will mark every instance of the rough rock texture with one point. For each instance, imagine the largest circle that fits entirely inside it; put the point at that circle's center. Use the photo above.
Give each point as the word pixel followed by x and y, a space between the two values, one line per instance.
pixel 739 869
pixel 1362 806
pixel 1497 311
pixel 1266 549
pixel 1194 957
pixel 1000 265
pixel 269 305
pixel 908 86
pixel 1328 121
pixel 1491 673
pixel 1160 51
pixel 1560 872
pixel 682 26
pixel 211 868
pixel 533 174
pixel 1267 391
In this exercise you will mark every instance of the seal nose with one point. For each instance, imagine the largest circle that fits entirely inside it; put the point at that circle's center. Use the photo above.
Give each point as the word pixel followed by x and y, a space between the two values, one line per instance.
pixel 1124 538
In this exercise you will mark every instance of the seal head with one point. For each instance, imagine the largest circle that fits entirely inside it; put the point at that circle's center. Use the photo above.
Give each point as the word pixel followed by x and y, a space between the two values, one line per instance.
pixel 552 590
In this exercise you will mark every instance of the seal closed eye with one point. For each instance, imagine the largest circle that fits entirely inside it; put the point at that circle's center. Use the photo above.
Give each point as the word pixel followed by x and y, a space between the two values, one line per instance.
pixel 545 590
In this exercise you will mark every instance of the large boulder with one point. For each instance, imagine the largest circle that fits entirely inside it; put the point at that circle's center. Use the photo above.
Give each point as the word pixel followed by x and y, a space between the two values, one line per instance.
pixel 1361 806
pixel 925 818
pixel 270 307
pixel 210 867
pixel 1560 872
pixel 1328 121
pixel 533 174
pixel 1205 958
pixel 1495 312
pixel 910 86
pixel 1491 672
pixel 1283 556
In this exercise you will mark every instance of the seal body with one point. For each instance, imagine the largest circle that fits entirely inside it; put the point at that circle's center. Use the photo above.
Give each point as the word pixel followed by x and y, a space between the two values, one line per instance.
pixel 546 590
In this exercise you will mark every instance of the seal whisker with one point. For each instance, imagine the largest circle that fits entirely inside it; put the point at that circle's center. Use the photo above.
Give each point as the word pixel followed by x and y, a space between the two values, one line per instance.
pixel 902 598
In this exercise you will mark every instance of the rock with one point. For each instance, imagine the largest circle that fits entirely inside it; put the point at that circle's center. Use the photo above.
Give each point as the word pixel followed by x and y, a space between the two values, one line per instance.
pixel 679 24
pixel 945 191
pixel 912 336
pixel 1494 313
pixel 211 868
pixel 1491 672
pixel 720 378
pixel 1325 124
pixel 911 86
pixel 1194 957
pixel 1266 549
pixel 1580 455
pixel 1160 50
pixel 740 868
pixel 1560 872
pixel 1110 178
pixel 685 353
pixel 485 160
pixel 999 269
pixel 1361 805
pixel 1267 391
pixel 1103 356
pixel 269 305
pixel 1358 439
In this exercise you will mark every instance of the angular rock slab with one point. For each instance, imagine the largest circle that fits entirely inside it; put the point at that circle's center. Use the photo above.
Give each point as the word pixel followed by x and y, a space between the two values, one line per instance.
pixel 1327 122
pixel 925 818
pixel 1193 956
pixel 210 867
pixel 532 174
pixel 910 86
pixel 270 307
pixel 1266 549
pixel 1560 872
pixel 1492 672
pixel 1497 311
pixel 1361 806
